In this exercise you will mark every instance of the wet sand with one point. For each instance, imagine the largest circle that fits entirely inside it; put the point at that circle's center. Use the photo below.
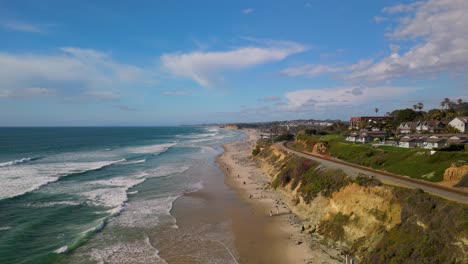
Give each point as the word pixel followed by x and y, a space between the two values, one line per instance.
pixel 277 238
pixel 221 224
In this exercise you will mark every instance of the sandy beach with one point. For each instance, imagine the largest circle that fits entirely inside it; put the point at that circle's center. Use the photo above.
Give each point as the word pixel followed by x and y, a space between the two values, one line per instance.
pixel 278 236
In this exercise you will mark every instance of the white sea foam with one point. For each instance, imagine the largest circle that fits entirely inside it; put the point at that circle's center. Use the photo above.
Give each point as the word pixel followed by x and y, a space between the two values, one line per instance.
pixel 194 187
pixel 148 213
pixel 52 204
pixel 61 250
pixel 112 192
pixel 207 150
pixel 166 170
pixel 135 161
pixel 194 136
pixel 213 129
pixel 3 228
pixel 133 252
pixel 14 162
pixel 18 180
pixel 153 149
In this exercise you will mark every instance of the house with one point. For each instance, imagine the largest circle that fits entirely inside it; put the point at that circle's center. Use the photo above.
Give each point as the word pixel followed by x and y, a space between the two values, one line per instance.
pixel 458 139
pixel 408 142
pixel 436 141
pixel 460 123
pixel 407 127
pixel 430 126
pixel 353 137
pixel 366 136
pixel 356 121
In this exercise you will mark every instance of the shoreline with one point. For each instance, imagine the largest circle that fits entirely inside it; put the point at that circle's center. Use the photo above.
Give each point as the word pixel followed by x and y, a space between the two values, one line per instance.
pixel 282 236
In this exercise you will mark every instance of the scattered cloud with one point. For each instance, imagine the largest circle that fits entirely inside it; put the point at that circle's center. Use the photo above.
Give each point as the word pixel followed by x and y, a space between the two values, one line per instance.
pixel 322 99
pixel 22 27
pixel 247 11
pixel 271 99
pixel 309 70
pixel 204 67
pixel 440 32
pixel 402 8
pixel 72 72
pixel 177 92
pixel 434 34
pixel 28 92
pixel 379 19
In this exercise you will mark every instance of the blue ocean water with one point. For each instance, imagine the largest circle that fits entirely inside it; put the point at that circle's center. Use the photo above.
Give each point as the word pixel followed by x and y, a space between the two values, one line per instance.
pixel 59 187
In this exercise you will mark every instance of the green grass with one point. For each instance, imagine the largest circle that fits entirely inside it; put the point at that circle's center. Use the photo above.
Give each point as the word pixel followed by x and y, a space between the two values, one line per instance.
pixel 415 163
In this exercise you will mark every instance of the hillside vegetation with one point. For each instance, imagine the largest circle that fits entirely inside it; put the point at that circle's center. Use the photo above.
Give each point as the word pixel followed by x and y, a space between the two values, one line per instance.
pixel 373 222
pixel 415 163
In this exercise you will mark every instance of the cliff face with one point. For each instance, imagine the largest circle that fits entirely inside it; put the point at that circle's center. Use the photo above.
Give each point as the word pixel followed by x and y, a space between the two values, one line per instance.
pixel 374 222
pixel 454 175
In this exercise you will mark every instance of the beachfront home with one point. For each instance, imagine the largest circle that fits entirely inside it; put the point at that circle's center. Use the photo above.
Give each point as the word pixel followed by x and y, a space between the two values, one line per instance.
pixel 409 142
pixel 458 139
pixel 422 127
pixel 436 141
pixel 352 137
pixel 357 122
pixel 407 127
pixel 460 123
pixel 366 136
pixel 431 126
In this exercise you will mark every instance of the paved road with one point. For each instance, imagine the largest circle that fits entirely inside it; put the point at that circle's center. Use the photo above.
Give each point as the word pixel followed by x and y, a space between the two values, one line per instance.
pixel 388 178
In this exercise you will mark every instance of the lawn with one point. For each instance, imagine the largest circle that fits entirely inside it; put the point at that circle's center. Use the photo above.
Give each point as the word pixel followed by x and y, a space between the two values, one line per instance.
pixel 415 163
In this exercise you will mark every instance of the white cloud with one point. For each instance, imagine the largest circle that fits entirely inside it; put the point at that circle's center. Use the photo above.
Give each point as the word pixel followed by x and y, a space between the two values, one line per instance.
pixel 22 27
pixel 28 92
pixel 321 99
pixel 402 8
pixel 247 11
pixel 435 37
pixel 379 19
pixel 176 92
pixel 204 67
pixel 72 72
pixel 309 70
pixel 440 31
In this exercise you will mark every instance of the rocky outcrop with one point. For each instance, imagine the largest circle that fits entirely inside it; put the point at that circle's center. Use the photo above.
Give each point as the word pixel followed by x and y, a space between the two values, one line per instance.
pixel 455 174
pixel 320 148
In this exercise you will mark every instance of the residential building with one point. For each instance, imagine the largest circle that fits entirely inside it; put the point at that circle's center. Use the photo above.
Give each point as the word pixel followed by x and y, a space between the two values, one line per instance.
pixel 460 123
pixel 366 136
pixel 409 142
pixel 356 121
pixel 407 127
pixel 431 126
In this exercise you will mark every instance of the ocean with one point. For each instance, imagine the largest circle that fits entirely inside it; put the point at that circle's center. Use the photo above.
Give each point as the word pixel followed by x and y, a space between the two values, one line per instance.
pixel 96 195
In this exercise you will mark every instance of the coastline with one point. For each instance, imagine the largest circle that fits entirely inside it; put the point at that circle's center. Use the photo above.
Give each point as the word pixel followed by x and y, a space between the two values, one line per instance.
pixel 280 238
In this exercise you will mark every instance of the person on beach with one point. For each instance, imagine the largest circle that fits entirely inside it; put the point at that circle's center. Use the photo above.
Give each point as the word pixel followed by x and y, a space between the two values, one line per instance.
pixel 277 210
pixel 271 213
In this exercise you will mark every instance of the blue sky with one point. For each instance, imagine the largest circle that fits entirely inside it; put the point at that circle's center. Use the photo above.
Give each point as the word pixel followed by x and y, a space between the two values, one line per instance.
pixel 187 62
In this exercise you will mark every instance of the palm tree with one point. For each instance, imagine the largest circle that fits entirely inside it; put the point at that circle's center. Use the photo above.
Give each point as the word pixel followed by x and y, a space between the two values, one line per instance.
pixel 447 102
pixel 376 110
pixel 420 106
pixel 459 107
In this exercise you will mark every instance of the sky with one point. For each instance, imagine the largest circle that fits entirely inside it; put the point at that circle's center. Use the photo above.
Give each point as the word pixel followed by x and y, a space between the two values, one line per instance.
pixel 115 63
